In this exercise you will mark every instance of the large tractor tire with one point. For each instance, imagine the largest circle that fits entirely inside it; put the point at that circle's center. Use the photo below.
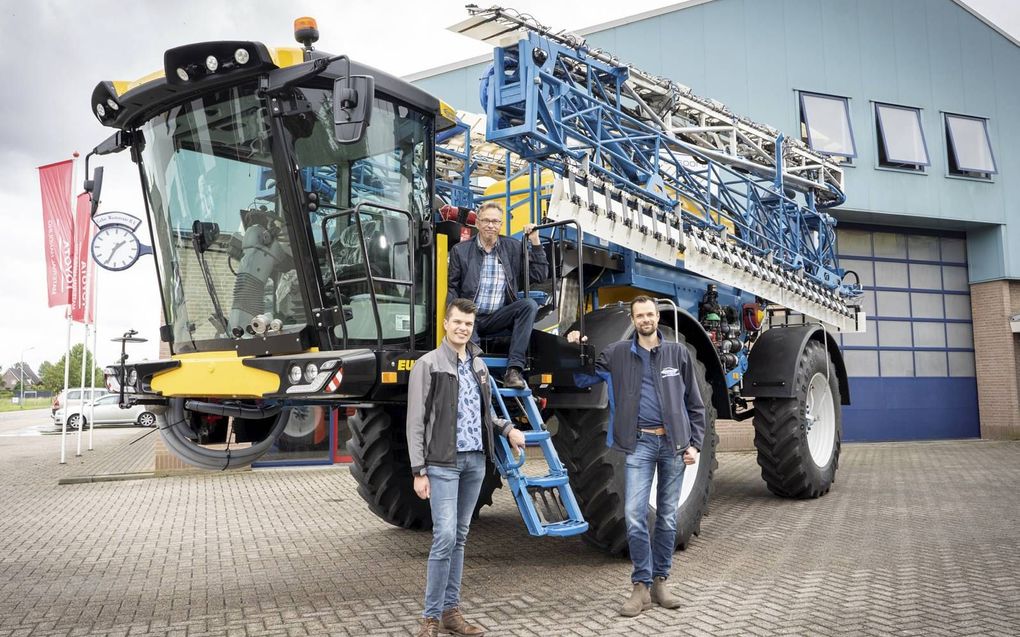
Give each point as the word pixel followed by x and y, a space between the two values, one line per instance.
pixel 597 473
pixel 382 469
pixel 798 439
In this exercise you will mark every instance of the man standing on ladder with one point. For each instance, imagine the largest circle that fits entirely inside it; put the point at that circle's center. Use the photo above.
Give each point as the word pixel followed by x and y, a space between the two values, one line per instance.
pixel 450 428
pixel 488 270
pixel 658 421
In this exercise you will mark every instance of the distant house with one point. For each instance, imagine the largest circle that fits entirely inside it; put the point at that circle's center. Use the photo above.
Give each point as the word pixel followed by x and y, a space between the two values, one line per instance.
pixel 12 376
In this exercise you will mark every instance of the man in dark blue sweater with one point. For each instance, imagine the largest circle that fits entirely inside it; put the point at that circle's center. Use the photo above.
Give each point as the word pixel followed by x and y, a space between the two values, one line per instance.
pixel 657 420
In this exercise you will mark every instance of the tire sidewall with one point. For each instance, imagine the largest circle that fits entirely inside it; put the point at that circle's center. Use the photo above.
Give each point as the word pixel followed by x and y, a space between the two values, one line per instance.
pixel 815 361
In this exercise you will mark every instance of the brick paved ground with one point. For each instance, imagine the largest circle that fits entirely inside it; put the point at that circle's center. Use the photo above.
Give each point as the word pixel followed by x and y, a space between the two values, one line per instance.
pixel 916 539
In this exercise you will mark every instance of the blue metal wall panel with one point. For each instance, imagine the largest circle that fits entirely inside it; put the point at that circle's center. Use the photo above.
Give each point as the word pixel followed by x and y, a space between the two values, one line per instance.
pixel 931 54
pixel 911 409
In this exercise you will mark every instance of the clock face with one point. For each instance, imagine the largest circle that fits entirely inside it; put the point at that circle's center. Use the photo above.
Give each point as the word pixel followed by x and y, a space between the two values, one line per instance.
pixel 115 248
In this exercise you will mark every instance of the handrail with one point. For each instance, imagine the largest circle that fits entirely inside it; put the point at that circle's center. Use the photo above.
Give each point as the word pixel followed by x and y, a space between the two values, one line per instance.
pixel 369 278
pixel 580 265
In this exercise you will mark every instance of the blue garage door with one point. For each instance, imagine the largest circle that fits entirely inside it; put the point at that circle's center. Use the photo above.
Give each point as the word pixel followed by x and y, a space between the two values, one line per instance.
pixel 912 373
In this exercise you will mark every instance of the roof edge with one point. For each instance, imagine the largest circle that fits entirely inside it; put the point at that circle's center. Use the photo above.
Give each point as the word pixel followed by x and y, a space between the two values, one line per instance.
pixel 988 23
pixel 652 13
pixel 604 26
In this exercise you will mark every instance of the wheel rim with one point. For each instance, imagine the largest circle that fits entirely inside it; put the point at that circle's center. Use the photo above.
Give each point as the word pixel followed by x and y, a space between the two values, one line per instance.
pixel 302 422
pixel 690 477
pixel 146 419
pixel 74 421
pixel 820 418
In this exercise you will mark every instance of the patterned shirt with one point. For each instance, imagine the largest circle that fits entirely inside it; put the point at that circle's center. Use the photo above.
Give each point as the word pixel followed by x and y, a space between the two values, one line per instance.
pixel 469 408
pixel 490 294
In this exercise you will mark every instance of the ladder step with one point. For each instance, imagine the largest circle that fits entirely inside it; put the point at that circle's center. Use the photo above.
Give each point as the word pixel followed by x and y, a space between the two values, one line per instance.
pixel 545 482
pixel 536 436
pixel 507 392
pixel 566 528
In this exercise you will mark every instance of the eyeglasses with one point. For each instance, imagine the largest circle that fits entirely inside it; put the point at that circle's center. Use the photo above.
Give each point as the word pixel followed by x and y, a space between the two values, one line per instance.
pixel 488 222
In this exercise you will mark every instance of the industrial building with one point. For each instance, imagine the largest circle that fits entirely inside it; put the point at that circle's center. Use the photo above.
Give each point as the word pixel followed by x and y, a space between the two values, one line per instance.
pixel 919 98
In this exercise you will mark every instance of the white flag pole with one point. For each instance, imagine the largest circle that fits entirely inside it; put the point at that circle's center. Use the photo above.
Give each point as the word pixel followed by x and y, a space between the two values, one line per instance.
pixel 67 402
pixel 93 294
pixel 81 400
pixel 67 351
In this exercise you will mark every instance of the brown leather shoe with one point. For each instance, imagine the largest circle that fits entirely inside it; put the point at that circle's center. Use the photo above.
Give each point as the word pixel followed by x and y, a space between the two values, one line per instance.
pixel 662 595
pixel 453 623
pixel 429 627
pixel 638 601
pixel 513 379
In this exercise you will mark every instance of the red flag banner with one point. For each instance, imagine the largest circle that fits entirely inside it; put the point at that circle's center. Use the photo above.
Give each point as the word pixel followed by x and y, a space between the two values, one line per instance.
pixel 55 185
pixel 83 272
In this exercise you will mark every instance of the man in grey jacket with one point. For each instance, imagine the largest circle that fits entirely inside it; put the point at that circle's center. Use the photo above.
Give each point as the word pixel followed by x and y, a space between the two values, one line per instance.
pixel 450 429
pixel 657 419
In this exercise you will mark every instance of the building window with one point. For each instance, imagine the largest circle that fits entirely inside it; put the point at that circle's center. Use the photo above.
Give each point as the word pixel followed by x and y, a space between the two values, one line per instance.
pixel 825 124
pixel 901 141
pixel 970 151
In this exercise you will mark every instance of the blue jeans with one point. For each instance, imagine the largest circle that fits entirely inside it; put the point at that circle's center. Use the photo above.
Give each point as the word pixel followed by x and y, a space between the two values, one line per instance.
pixel 515 319
pixel 651 453
pixel 453 498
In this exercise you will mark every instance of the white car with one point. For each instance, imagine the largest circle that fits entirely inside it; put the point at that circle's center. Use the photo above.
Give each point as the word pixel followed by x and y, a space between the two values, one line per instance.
pixel 108 412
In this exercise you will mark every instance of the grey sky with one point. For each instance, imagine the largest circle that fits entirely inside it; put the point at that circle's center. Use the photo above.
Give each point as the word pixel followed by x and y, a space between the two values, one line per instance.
pixel 57 50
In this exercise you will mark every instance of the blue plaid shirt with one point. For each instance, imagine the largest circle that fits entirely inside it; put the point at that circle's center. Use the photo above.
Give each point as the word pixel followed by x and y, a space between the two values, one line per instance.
pixel 491 284
pixel 469 408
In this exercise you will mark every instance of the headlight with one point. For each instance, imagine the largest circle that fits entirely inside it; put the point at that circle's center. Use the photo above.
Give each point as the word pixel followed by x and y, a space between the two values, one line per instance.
pixel 241 56
pixel 294 375
pixel 212 63
pixel 133 377
pixel 311 371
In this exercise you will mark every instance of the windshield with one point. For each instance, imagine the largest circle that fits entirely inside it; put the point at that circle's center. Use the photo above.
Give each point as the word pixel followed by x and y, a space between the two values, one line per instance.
pixel 222 243
pixel 386 174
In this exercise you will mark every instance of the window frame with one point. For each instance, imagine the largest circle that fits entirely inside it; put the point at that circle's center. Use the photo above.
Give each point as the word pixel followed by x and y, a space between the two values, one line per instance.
pixel 966 172
pixel 883 146
pixel 805 121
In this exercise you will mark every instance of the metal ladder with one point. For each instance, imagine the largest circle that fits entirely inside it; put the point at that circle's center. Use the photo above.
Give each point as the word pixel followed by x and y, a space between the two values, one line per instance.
pixel 547 503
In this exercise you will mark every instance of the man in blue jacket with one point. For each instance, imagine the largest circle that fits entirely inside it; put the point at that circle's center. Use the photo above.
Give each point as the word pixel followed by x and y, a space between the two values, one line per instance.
pixel 489 271
pixel 657 419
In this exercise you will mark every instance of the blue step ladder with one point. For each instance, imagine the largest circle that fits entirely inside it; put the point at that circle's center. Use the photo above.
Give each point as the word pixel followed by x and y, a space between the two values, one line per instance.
pixel 547 503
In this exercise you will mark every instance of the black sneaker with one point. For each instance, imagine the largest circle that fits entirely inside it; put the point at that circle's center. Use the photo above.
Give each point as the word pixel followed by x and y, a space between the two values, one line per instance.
pixel 513 379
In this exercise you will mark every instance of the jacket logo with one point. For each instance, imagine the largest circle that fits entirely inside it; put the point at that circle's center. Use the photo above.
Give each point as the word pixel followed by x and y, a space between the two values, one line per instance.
pixel 670 371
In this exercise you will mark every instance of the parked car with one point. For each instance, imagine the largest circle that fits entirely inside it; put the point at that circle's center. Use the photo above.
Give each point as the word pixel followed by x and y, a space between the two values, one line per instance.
pixel 74 395
pixel 108 412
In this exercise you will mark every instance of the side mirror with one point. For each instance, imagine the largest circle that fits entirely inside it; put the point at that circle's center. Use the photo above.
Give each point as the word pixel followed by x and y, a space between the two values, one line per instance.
pixel 112 144
pixel 352 107
pixel 94 187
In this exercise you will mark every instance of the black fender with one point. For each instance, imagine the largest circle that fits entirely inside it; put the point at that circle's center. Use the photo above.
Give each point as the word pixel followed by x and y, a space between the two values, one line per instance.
pixel 772 363
pixel 611 324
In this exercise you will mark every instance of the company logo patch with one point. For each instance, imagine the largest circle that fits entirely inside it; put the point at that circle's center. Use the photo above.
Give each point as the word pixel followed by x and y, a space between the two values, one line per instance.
pixel 670 371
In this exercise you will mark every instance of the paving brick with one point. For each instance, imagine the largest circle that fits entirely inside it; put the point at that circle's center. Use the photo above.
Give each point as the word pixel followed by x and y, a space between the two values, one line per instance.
pixel 914 539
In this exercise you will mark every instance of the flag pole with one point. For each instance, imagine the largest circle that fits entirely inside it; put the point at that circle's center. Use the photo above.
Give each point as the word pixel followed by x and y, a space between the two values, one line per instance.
pixel 81 399
pixel 93 294
pixel 67 352
pixel 66 406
